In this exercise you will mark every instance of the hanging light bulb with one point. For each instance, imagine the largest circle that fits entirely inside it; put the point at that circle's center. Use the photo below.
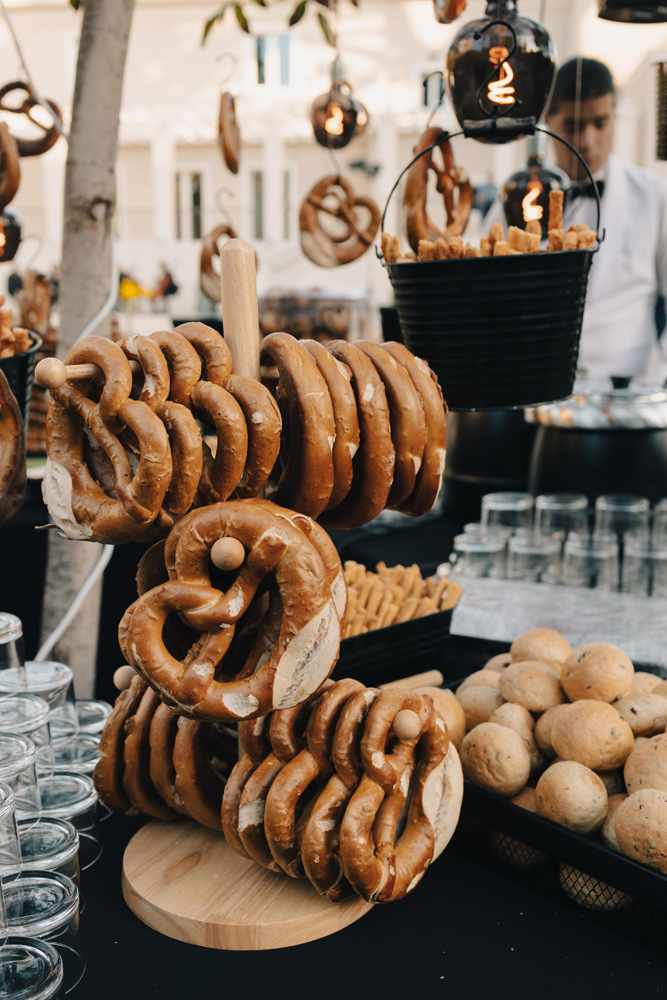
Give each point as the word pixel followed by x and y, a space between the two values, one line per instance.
pixel 10 235
pixel 525 195
pixel 334 115
pixel 500 67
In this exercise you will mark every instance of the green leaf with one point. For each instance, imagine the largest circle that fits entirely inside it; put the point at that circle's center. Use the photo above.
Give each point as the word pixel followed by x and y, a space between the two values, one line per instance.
pixel 212 20
pixel 299 11
pixel 325 3
pixel 262 3
pixel 241 18
pixel 326 29
pixel 75 3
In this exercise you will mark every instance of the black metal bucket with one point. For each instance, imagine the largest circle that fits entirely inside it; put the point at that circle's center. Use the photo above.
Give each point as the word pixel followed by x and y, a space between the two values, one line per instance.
pixel 19 371
pixel 499 332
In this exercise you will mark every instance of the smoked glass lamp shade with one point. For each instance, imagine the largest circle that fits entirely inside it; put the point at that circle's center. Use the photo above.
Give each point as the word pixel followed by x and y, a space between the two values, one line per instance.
pixel 525 194
pixel 661 112
pixel 633 11
pixel 10 235
pixel 334 116
pixel 521 85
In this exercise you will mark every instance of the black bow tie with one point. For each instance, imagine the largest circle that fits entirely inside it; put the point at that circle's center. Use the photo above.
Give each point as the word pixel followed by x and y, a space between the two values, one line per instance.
pixel 584 191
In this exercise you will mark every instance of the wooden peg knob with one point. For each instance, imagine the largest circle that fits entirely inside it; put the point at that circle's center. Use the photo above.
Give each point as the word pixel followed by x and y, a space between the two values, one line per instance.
pixel 406 725
pixel 51 373
pixel 122 677
pixel 227 553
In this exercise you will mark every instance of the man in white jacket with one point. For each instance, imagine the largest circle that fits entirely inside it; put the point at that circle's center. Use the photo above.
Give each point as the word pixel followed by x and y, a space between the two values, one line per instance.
pixel 629 272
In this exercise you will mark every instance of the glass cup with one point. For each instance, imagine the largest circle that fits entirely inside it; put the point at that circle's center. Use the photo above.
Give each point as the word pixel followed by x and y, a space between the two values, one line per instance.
pixel 534 558
pixel 660 522
pixel 72 797
pixel 50 845
pixel 508 510
pixel 558 514
pixel 644 567
pixel 12 656
pixel 45 907
pixel 92 715
pixel 10 851
pixel 591 562
pixel 30 969
pixel 18 756
pixel 52 682
pixel 80 755
pixel 621 514
pixel 477 557
pixel 28 715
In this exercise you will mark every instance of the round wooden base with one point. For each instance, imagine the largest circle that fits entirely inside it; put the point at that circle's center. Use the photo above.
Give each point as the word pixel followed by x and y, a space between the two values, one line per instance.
pixel 185 882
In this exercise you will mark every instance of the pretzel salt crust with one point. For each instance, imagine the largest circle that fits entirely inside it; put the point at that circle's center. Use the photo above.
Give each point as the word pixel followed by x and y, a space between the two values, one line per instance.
pixel 307 478
pixel 108 773
pixel 374 461
pixel 346 444
pixel 408 426
pixel 429 477
pixel 308 641
pixel 12 453
pixel 137 782
pixel 77 504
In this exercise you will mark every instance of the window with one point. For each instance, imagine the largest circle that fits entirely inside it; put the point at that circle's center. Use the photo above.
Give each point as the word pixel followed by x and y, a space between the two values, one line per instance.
pixel 433 89
pixel 261 60
pixel 189 223
pixel 283 49
pixel 286 205
pixel 257 198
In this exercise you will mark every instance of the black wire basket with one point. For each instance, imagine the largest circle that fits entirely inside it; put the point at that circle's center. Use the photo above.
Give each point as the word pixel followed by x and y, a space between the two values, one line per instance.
pixel 499 332
pixel 19 370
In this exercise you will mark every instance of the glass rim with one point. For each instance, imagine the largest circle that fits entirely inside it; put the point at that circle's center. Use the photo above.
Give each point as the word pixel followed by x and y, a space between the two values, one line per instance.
pixel 50 961
pixel 591 543
pixel 534 543
pixel 62 851
pixel 58 680
pixel 508 500
pixel 645 548
pixel 37 716
pixel 561 501
pixel 64 907
pixel 622 502
pixel 77 805
pixel 25 754
pixel 7 802
pixel 472 543
pixel 11 627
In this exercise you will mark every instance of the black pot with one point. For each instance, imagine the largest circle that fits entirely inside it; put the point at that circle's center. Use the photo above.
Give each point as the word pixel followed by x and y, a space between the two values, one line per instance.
pixel 19 371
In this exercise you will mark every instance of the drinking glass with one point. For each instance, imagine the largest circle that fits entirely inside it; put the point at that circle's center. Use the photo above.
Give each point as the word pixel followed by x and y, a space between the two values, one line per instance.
pixel 10 851
pixel 591 562
pixel 644 567
pixel 12 656
pixel 50 845
pixel 478 556
pixel 18 756
pixel 621 514
pixel 660 522
pixel 27 715
pixel 557 514
pixel 508 510
pixel 72 797
pixel 92 715
pixel 534 558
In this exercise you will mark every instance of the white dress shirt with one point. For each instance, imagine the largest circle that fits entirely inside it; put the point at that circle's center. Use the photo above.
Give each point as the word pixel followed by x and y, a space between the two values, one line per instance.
pixel 628 273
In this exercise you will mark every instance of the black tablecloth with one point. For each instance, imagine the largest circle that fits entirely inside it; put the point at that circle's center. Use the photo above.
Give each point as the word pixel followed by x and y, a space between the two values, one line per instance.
pixel 466 931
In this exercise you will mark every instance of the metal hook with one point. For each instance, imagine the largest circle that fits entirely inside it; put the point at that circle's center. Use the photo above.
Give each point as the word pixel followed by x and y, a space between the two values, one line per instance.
pixel 496 69
pixel 36 251
pixel 436 72
pixel 234 67
pixel 221 207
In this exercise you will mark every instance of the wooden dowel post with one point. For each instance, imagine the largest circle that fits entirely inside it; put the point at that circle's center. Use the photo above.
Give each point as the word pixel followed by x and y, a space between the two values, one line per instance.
pixel 240 317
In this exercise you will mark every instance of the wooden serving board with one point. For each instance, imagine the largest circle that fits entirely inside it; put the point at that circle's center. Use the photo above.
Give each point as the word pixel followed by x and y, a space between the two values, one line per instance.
pixel 185 882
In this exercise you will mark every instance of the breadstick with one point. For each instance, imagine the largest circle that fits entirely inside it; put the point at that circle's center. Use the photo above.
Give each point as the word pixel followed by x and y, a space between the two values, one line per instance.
pixel 496 233
pixel 571 240
pixel 391 248
pixel 366 589
pixel 455 246
pixel 374 599
pixel 417 587
pixel 429 586
pixel 439 589
pixel 516 238
pixel 486 247
pixel 452 596
pixel 471 251
pixel 532 242
pixel 390 616
pixel 501 249
pixel 408 609
pixel 556 239
pixel 426 250
pixel 441 249
pixel 382 610
pixel 357 624
pixel 556 209
pixel 534 227
pixel 425 607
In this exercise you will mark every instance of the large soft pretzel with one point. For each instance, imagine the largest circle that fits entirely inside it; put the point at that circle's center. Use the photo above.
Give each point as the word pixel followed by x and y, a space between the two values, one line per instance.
pixel 448 179
pixel 263 423
pixel 307 478
pixel 137 782
pixel 333 196
pixel 199 779
pixel 31 147
pixel 108 773
pixel 12 453
pixel 309 637
pixel 10 168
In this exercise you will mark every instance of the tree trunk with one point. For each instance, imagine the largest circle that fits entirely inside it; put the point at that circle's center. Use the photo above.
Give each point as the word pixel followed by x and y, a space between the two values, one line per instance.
pixel 90 192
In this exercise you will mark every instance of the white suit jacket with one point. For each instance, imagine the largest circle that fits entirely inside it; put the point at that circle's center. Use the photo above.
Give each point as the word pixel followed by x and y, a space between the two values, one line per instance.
pixel 628 273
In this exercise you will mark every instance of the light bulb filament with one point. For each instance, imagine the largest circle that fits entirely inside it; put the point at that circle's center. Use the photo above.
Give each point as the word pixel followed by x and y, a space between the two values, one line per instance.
pixel 334 122
pixel 500 91
pixel 530 209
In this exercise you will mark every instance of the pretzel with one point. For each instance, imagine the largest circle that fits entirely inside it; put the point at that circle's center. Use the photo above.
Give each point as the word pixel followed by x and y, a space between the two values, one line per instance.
pixel 222 473
pixel 31 147
pixel 406 415
pixel 293 781
pixel 77 504
pixel 374 461
pixel 307 477
pixel 229 136
pixel 199 784
pixel 263 423
pixel 346 444
pixel 10 176
pixel 448 179
pixel 137 783
pixel 334 196
pixel 231 801
pixel 108 773
pixel 429 476
pixel 12 453
pixel 211 348
pixel 307 646
pixel 209 278
pixel 164 726
pixel 184 365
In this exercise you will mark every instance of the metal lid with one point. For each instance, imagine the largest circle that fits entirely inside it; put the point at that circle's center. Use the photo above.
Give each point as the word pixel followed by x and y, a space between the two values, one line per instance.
pixel 22 713
pixel 611 404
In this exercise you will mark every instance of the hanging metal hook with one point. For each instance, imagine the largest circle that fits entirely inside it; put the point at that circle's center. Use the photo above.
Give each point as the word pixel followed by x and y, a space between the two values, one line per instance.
pixel 234 67
pixel 436 72
pixel 221 207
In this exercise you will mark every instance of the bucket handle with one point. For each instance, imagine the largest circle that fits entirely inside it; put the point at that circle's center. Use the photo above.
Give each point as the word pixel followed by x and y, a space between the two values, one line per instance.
pixel 529 130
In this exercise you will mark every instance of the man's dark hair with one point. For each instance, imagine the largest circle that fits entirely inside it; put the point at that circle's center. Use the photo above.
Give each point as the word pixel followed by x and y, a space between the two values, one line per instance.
pixel 593 80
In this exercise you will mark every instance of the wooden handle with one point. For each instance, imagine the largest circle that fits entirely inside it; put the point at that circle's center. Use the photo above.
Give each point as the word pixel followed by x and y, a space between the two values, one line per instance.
pixel 431 678
pixel 240 319
pixel 51 373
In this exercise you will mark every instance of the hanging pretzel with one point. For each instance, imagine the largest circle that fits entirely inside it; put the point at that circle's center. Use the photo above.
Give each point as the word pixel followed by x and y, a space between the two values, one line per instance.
pixel 229 136
pixel 31 147
pixel 209 278
pixel 449 179
pixel 334 196
pixel 12 453
pixel 309 636
pixel 10 169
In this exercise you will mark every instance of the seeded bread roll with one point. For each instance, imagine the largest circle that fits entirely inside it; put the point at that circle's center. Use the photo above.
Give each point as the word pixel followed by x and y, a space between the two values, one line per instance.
pixel 519 719
pixel 641 827
pixel 499 662
pixel 597 671
pixel 543 728
pixel 495 758
pixel 514 852
pixel 593 734
pixel 542 644
pixel 481 678
pixel 608 829
pixel 646 714
pixel 450 710
pixel 531 684
pixel 572 796
pixel 590 892
pixel 646 767
pixel 644 683
pixel 478 703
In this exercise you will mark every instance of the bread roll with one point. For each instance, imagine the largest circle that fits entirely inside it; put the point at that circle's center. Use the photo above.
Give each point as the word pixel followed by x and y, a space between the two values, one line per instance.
pixel 593 734
pixel 641 827
pixel 478 703
pixel 543 728
pixel 608 829
pixel 519 719
pixel 572 796
pixel 597 671
pixel 495 758
pixel 646 767
pixel 646 714
pixel 531 684
pixel 542 644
